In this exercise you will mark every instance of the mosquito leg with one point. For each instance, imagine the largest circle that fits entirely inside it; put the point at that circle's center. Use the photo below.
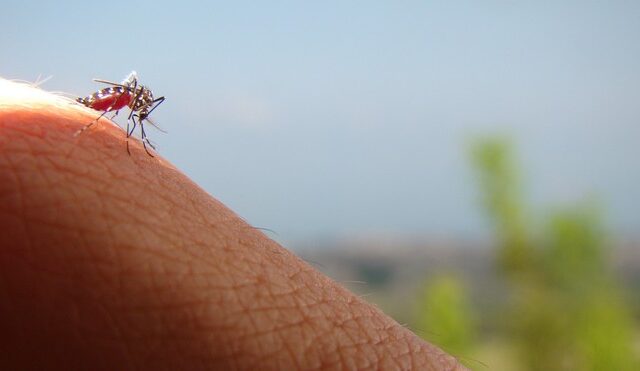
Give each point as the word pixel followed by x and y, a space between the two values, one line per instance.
pixel 89 124
pixel 145 140
pixel 155 103
pixel 137 94
pixel 149 143
pixel 130 132
pixel 146 149
pixel 127 138
pixel 132 104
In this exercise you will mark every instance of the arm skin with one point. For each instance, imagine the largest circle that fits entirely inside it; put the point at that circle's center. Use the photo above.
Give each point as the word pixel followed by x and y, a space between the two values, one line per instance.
pixel 110 261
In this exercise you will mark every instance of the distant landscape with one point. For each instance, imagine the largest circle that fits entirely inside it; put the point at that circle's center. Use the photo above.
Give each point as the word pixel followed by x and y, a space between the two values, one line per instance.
pixel 391 273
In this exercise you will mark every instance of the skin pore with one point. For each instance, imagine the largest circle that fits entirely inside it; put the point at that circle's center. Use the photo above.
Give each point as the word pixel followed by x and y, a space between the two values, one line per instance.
pixel 110 261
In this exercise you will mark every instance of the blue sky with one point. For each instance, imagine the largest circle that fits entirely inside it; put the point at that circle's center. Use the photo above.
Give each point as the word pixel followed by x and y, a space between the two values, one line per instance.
pixel 334 118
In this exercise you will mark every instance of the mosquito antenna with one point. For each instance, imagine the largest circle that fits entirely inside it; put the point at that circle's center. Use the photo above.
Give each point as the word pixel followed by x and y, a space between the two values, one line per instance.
pixel 155 125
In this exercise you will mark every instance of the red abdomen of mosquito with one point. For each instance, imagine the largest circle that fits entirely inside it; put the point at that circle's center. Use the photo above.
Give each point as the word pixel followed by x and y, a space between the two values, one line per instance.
pixel 109 99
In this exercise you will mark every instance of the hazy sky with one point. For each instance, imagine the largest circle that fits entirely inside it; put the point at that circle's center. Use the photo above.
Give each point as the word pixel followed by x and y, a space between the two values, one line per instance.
pixel 339 118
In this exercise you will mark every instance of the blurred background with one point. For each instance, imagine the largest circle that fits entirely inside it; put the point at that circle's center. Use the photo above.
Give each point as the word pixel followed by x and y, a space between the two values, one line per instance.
pixel 470 167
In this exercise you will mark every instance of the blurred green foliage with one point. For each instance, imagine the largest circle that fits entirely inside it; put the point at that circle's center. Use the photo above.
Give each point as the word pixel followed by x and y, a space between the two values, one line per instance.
pixel 564 308
pixel 502 198
pixel 446 313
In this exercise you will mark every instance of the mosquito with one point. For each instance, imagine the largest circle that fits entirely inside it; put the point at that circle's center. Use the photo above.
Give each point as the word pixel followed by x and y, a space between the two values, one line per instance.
pixel 138 98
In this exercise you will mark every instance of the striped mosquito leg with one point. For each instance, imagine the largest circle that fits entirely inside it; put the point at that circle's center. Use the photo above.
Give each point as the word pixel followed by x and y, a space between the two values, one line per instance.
pixel 89 124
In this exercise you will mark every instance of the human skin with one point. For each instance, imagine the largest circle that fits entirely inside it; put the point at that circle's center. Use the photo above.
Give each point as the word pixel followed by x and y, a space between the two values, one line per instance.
pixel 116 261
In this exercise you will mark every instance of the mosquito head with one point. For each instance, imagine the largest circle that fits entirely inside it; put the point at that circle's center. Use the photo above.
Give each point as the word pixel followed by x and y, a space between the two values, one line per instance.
pixel 144 99
pixel 147 96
